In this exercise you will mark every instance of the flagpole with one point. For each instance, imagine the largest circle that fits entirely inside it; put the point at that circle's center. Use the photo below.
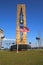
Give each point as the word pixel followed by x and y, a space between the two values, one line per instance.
pixel 17 48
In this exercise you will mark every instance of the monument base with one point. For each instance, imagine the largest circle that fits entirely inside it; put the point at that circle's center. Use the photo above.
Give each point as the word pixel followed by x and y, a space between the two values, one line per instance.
pixel 20 47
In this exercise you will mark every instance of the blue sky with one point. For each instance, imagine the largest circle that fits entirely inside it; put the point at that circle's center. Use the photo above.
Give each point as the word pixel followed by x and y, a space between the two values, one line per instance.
pixel 34 17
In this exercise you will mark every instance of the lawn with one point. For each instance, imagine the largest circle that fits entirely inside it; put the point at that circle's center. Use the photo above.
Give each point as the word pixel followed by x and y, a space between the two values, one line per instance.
pixel 30 57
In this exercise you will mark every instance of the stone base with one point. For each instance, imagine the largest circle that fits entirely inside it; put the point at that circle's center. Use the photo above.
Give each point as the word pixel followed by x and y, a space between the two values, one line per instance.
pixel 20 47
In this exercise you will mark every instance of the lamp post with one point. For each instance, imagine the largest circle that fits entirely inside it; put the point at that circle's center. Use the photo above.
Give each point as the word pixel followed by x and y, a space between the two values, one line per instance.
pixel 30 44
pixel 38 39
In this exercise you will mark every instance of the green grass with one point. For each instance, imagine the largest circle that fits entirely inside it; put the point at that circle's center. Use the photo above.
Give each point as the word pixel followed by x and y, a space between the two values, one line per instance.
pixel 30 57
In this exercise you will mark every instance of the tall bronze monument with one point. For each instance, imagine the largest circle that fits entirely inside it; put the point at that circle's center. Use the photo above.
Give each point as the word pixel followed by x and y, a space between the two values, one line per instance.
pixel 21 24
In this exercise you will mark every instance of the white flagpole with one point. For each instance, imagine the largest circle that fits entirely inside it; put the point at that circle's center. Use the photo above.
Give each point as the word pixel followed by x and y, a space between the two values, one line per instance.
pixel 17 48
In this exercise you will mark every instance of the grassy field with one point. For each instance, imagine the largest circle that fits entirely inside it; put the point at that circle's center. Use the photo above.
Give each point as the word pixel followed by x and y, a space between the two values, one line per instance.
pixel 30 57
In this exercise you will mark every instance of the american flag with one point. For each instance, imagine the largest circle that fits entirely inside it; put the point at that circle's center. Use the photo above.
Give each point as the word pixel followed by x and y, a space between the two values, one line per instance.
pixel 24 29
pixel 21 28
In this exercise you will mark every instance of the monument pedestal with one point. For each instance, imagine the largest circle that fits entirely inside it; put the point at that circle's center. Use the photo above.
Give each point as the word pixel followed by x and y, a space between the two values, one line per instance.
pixel 20 47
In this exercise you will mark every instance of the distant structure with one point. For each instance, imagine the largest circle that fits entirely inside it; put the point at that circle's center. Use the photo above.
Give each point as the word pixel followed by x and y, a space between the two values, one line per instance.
pixel 1 37
pixel 21 28
pixel 38 38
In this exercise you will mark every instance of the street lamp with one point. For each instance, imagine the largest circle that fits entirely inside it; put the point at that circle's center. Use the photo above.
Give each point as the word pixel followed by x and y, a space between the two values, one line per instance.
pixel 38 39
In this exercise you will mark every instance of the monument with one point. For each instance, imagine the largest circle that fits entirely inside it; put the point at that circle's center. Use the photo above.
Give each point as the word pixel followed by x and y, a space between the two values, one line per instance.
pixel 21 28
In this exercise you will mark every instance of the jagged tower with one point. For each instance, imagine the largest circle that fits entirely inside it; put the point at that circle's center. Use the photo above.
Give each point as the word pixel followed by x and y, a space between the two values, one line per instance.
pixel 1 37
pixel 20 21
